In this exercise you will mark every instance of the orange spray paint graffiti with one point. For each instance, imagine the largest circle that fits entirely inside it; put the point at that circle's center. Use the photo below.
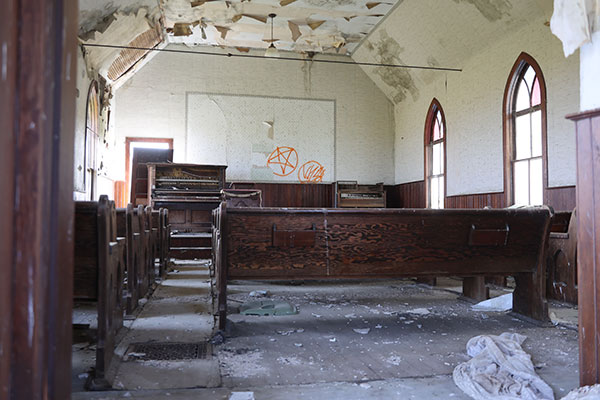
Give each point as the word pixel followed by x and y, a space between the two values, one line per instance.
pixel 283 160
pixel 311 171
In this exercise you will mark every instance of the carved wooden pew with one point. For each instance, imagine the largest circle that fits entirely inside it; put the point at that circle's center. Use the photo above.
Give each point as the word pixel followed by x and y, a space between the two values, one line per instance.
pixel 279 243
pixel 562 258
pixel 98 275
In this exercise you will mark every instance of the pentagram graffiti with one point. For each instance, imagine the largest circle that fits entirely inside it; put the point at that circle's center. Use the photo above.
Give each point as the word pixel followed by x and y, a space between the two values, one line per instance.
pixel 283 160
pixel 311 171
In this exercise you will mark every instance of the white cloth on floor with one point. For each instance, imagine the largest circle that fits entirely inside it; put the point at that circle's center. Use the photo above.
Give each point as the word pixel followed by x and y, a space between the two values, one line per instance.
pixel 500 369
pixel 584 393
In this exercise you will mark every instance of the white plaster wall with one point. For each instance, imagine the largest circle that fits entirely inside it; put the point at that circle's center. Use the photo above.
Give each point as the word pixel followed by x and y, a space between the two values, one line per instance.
pixel 590 74
pixel 153 104
pixel 472 103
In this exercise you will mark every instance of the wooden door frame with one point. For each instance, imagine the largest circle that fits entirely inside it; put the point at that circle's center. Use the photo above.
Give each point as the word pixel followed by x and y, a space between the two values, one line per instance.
pixel 37 117
pixel 128 141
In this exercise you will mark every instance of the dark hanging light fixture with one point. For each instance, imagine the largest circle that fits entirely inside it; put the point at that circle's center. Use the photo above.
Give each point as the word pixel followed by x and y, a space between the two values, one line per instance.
pixel 272 50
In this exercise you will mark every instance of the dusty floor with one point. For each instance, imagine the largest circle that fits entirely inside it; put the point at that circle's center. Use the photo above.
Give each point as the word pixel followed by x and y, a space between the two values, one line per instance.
pixel 409 338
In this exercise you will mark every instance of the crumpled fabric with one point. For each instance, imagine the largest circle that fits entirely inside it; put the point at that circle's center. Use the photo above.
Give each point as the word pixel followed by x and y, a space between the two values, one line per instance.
pixel 500 369
pixel 584 393
pixel 574 22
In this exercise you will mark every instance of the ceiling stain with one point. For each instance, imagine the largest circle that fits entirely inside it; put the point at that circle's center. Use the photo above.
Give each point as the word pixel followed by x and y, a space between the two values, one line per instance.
pixel 387 51
pixel 492 10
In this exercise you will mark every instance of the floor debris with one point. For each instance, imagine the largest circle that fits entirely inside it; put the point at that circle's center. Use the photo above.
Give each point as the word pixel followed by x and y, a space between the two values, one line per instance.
pixel 362 331
pixel 498 304
pixel 584 393
pixel 241 396
pixel 419 311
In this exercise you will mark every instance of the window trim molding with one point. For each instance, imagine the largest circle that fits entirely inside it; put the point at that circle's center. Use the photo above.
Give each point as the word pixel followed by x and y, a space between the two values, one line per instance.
pixel 433 107
pixel 93 89
pixel 508 127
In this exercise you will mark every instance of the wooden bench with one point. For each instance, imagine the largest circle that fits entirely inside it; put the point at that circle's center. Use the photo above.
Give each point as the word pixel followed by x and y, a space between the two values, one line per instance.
pixel 280 243
pixel 98 275
pixel 561 263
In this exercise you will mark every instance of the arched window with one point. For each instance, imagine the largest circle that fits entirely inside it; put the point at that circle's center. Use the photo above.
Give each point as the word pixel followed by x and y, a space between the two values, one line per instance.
pixel 91 140
pixel 435 156
pixel 525 162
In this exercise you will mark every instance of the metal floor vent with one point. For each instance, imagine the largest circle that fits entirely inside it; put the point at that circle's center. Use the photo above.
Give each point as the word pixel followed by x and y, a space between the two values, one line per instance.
pixel 168 351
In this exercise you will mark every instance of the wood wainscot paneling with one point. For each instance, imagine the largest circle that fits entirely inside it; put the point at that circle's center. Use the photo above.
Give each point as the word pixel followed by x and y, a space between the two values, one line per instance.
pixel 560 198
pixel 314 195
pixel 406 195
pixel 588 246
pixel 492 200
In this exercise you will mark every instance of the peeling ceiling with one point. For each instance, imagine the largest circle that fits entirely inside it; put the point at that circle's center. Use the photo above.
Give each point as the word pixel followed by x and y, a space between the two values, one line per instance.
pixel 322 26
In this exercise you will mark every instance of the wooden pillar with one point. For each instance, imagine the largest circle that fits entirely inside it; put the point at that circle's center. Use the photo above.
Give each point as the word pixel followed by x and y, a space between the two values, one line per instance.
pixel 588 243
pixel 37 107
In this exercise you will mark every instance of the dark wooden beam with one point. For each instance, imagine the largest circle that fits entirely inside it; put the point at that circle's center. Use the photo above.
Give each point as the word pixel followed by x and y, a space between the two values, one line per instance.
pixel 37 100
pixel 588 245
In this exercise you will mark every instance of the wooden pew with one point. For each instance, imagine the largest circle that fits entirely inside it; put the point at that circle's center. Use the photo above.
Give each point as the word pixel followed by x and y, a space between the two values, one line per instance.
pixel 128 226
pixel 98 276
pixel 140 222
pixel 152 232
pixel 165 241
pixel 160 236
pixel 283 243
pixel 561 263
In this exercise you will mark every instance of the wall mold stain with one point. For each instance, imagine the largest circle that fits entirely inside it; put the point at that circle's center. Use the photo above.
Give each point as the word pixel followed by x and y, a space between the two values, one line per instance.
pixel 492 10
pixel 387 51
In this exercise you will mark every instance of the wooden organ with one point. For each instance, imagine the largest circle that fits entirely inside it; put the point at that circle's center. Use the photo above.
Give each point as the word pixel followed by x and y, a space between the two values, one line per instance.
pixel 190 192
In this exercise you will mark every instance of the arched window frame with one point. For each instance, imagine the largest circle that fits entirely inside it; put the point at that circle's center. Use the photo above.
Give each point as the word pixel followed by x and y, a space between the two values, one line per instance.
pixel 509 119
pixel 428 145
pixel 92 124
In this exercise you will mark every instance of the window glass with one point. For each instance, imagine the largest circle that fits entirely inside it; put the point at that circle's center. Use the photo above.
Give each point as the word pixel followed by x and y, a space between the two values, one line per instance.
pixel 536 184
pixel 521 182
pixel 522 97
pixel 536 94
pixel 523 137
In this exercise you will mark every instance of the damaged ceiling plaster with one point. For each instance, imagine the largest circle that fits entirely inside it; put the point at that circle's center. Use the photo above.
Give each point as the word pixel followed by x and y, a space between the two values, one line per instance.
pixel 301 26
pixel 321 26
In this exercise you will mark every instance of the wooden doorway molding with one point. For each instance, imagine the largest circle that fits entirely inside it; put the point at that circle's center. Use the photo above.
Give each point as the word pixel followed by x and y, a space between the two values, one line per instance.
pixel 128 141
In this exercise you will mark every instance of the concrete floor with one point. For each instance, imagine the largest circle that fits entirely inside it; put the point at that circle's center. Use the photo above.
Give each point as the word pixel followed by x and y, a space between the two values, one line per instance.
pixel 416 336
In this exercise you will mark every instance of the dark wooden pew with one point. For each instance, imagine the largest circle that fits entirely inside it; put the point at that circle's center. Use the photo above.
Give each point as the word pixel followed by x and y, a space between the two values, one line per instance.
pixel 160 236
pixel 280 243
pixel 165 241
pixel 561 263
pixel 128 226
pixel 98 276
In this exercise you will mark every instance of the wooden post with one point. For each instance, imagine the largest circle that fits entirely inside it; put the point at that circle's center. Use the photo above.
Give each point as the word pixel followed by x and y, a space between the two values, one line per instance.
pixel 37 122
pixel 588 243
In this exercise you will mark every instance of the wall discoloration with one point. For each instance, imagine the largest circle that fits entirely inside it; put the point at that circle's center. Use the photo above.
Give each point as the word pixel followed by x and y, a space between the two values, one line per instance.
pixel 387 51
pixel 492 10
